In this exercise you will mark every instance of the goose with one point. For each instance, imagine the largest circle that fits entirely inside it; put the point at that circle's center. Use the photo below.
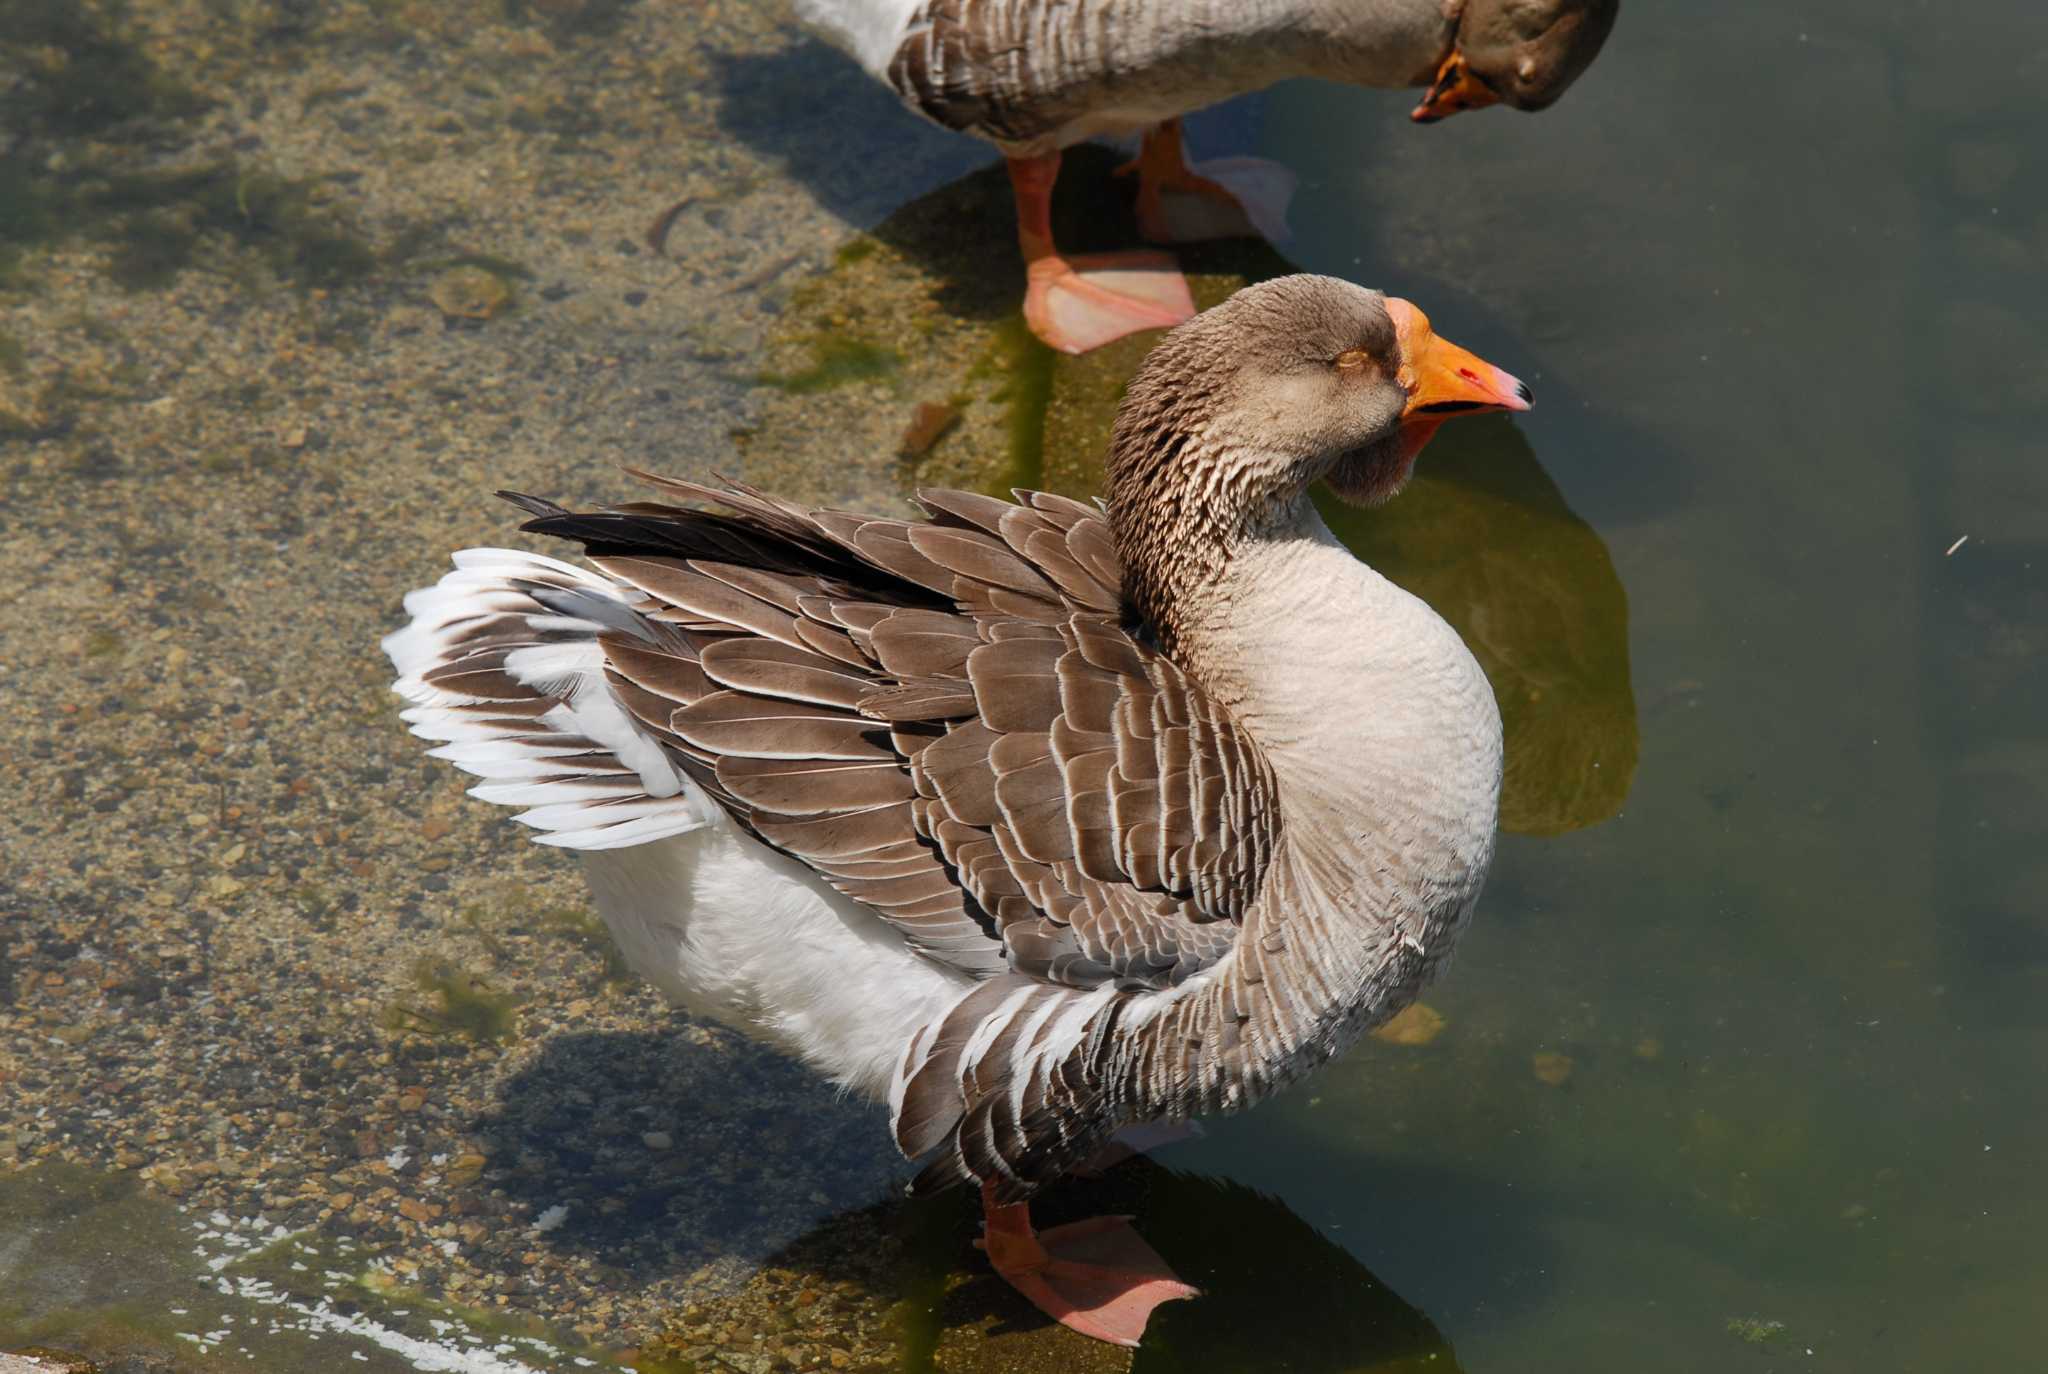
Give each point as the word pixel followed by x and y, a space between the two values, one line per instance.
pixel 1035 76
pixel 1033 819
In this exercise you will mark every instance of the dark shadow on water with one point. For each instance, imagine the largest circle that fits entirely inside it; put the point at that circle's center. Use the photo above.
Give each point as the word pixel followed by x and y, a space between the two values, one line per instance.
pixel 1277 1293
pixel 758 1147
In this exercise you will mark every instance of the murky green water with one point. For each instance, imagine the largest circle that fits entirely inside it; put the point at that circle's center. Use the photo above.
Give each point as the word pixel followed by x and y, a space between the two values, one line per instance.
pixel 1739 1067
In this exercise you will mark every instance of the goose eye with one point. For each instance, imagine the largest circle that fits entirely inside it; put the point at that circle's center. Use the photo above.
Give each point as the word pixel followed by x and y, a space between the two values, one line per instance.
pixel 1351 360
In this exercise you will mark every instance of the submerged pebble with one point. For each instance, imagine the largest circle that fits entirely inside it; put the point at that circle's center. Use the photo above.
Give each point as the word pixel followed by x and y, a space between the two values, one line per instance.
pixel 469 293
pixel 1416 1025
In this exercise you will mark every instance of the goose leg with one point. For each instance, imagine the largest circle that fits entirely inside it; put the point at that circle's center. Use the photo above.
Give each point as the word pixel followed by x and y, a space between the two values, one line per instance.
pixel 1097 1276
pixel 1079 303
pixel 1228 197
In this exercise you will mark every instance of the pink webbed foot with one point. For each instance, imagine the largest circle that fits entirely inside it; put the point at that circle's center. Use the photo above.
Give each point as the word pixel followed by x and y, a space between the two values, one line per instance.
pixel 1097 1276
pixel 1079 303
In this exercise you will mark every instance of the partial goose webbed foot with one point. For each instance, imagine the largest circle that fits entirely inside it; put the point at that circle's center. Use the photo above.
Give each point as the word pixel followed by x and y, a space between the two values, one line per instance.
pixel 1079 303
pixel 1097 1276
pixel 1083 302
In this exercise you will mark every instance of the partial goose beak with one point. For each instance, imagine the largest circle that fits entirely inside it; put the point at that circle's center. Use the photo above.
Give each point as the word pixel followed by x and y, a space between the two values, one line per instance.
pixel 1454 89
pixel 1443 379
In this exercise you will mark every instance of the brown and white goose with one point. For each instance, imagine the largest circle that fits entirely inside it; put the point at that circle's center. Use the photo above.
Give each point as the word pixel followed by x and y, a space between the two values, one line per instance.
pixel 1033 820
pixel 1035 76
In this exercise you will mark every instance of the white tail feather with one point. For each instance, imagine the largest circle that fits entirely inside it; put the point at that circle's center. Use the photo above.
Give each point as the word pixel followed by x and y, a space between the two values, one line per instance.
pixel 590 776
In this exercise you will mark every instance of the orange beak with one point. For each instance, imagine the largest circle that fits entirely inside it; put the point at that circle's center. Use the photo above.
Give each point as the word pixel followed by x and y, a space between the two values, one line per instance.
pixel 1454 89
pixel 1443 379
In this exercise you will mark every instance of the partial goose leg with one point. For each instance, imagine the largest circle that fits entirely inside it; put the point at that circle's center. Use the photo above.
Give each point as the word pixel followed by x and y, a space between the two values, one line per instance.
pixel 1228 197
pixel 1080 303
pixel 1097 1276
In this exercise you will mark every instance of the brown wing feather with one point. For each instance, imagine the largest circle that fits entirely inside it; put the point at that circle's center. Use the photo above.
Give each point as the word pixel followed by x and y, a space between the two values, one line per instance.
pixel 949 723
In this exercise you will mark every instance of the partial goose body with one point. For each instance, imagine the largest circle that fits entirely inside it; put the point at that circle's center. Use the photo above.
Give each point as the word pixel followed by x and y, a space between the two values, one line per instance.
pixel 1036 76
pixel 1032 820
pixel 505 661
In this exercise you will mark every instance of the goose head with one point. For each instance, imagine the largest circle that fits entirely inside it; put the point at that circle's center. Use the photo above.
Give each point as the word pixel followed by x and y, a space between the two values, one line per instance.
pixel 1522 53
pixel 1235 413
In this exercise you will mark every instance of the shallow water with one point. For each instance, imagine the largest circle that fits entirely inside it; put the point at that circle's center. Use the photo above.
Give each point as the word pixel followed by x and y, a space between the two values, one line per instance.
pixel 1738 1066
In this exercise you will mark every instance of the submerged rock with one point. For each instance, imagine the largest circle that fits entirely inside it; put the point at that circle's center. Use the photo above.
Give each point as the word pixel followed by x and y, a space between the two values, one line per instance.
pixel 469 292
pixel 1415 1026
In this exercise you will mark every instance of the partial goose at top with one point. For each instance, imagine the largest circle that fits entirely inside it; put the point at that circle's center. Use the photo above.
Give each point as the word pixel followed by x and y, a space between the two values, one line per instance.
pixel 1034 820
pixel 1036 76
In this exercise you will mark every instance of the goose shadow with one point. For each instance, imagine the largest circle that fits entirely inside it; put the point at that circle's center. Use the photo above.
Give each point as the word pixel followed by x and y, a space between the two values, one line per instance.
pixel 674 1148
pixel 1276 1292
pixel 838 132
pixel 763 1166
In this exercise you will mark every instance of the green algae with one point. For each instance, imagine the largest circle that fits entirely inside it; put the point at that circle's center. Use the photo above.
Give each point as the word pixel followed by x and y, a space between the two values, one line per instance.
pixel 459 1005
pixel 1022 369
pixel 510 906
pixel 855 251
pixel 286 1262
pixel 836 361
pixel 157 222
pixel 587 932
pixel 1754 1330
pixel 92 1263
pixel 662 1364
